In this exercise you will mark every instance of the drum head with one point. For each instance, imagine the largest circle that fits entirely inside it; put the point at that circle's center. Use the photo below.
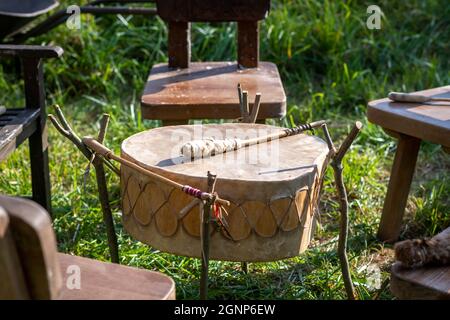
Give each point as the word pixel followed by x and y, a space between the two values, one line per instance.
pixel 283 159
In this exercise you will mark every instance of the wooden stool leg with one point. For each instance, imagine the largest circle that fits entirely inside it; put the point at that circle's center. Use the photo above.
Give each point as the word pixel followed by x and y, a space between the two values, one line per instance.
pixel 35 99
pixel 40 174
pixel 398 189
pixel 248 44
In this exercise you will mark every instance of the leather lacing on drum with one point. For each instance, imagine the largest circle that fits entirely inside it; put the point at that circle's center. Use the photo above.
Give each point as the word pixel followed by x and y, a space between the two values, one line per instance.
pixel 219 214
pixel 130 201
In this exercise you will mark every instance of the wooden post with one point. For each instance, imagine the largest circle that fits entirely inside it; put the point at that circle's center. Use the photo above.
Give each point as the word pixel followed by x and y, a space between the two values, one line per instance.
pixel 179 44
pixel 248 44
pixel 35 99
pixel 398 189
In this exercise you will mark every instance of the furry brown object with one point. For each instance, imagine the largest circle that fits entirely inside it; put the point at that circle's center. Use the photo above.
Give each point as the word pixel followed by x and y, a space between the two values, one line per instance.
pixel 420 252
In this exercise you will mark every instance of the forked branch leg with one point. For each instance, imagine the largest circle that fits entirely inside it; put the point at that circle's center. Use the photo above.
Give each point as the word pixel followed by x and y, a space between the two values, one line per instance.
pixel 61 124
pixel 205 237
pixel 336 163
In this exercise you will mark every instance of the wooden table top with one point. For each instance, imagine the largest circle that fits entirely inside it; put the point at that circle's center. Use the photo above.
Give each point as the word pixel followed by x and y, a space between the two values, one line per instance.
pixel 208 90
pixel 426 121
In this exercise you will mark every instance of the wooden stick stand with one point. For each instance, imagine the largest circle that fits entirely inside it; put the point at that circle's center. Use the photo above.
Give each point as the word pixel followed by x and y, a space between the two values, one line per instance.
pixel 99 162
pixel 247 116
pixel 64 128
pixel 336 164
pixel 205 237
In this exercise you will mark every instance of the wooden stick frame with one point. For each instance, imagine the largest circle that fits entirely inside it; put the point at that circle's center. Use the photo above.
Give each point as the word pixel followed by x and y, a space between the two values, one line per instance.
pixel 61 124
pixel 336 164
pixel 248 116
pixel 87 144
pixel 205 237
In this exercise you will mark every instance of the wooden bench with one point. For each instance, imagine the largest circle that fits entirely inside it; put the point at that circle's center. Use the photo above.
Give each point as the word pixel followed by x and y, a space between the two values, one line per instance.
pixel 31 267
pixel 180 90
pixel 17 125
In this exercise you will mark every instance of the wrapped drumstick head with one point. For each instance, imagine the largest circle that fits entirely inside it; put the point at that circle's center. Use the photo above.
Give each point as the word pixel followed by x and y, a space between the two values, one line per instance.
pixel 208 147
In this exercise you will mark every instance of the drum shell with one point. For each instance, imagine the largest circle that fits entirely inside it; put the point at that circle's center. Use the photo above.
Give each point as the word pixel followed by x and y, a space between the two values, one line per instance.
pixel 268 220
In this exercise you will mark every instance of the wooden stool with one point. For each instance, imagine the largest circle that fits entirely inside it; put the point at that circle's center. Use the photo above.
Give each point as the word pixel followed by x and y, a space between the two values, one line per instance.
pixel 421 283
pixel 410 123
pixel 31 268
pixel 181 90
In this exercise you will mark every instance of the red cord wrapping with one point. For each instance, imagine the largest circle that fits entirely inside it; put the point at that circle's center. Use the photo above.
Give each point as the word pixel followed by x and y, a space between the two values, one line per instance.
pixel 193 191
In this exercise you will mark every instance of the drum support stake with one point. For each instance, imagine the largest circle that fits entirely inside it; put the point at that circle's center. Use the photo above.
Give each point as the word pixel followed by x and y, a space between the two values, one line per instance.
pixel 205 237
pixel 64 128
pixel 336 164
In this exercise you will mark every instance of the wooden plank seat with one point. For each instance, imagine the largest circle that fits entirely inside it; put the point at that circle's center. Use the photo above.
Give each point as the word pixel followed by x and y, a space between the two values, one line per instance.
pixel 208 90
pixel 31 267
pixel 181 90
pixel 15 127
pixel 109 281
pixel 420 283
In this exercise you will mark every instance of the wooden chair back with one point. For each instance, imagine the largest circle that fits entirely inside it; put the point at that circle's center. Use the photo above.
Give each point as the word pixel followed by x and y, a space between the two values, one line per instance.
pixel 180 13
pixel 11 275
pixel 28 260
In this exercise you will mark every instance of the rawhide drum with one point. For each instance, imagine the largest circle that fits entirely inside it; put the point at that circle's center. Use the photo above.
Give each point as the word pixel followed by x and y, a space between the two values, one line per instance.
pixel 273 188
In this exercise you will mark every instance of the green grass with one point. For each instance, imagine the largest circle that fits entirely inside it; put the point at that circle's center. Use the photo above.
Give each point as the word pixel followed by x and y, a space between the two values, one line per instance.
pixel 330 64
